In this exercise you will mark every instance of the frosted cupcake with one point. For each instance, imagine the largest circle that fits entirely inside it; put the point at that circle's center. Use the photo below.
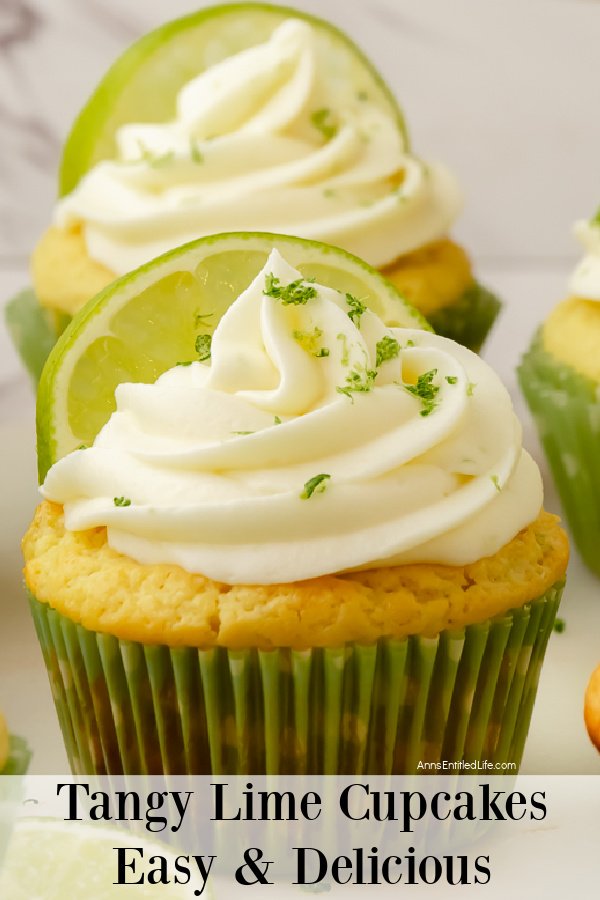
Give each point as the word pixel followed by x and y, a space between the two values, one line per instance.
pixel 265 122
pixel 318 548
pixel 560 378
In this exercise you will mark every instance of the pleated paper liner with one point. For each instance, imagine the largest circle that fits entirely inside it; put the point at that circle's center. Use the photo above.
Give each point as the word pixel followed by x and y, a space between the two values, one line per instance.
pixel 566 409
pixel 129 708
pixel 469 320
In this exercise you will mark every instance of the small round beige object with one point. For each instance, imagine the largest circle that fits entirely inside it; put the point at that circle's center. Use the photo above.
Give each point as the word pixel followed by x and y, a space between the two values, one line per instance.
pixel 591 707
pixel 3 742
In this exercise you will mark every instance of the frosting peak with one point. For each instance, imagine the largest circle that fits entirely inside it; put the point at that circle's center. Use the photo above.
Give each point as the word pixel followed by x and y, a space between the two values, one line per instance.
pixel 585 280
pixel 312 439
pixel 263 141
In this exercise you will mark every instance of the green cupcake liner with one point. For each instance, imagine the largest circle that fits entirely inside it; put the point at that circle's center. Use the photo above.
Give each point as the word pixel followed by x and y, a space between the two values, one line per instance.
pixel 566 408
pixel 383 708
pixel 469 319
pixel 19 757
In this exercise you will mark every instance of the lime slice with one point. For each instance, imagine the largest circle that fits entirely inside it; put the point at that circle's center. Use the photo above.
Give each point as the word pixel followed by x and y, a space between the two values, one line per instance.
pixel 48 859
pixel 143 84
pixel 146 322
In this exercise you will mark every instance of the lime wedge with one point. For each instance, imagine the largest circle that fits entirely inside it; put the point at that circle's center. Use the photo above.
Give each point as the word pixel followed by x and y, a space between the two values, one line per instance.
pixel 48 859
pixel 146 322
pixel 143 84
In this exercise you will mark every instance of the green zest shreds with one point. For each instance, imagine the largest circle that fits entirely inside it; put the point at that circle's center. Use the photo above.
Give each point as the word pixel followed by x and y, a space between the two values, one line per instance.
pixel 359 380
pixel 315 485
pixel 357 308
pixel 560 625
pixel 496 483
pixel 425 390
pixel 324 121
pixel 195 152
pixel 296 293
pixel 309 341
pixel 387 348
pixel 122 501
pixel 203 346
pixel 451 379
pixel 277 420
pixel 345 352
pixel 156 160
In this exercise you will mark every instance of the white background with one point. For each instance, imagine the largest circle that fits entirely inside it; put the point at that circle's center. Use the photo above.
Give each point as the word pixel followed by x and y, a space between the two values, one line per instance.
pixel 507 92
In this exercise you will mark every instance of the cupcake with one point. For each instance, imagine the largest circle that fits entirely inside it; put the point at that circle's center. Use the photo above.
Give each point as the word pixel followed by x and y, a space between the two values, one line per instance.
pixel 267 120
pixel 319 547
pixel 14 753
pixel 560 378
pixel 591 708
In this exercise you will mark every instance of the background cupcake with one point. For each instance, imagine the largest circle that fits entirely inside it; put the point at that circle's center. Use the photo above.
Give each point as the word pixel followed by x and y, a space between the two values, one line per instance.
pixel 560 377
pixel 337 563
pixel 14 752
pixel 288 146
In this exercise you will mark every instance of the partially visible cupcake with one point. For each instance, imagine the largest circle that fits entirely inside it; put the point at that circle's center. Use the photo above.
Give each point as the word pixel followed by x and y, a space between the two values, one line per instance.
pixel 281 126
pixel 591 708
pixel 320 549
pixel 560 378
pixel 14 752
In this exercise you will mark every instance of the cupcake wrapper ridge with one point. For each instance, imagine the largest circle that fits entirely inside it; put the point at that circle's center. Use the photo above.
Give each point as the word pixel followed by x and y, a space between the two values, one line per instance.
pixel 468 320
pixel 129 708
pixel 566 408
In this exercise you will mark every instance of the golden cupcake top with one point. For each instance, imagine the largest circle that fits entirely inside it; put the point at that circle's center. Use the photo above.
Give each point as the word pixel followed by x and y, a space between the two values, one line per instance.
pixel 572 331
pixel 307 439
pixel 267 139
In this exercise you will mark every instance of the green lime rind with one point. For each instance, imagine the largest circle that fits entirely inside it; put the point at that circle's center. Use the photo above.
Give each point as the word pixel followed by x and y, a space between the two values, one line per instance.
pixel 95 322
pixel 129 708
pixel 468 320
pixel 32 331
pixel 566 408
pixel 143 83
pixel 19 757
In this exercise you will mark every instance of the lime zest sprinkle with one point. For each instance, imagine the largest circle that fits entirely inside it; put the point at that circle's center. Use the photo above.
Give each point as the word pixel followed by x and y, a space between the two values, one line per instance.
pixel 323 120
pixel 410 343
pixel 199 318
pixel 315 485
pixel 242 432
pixel 83 447
pixel 385 349
pixel 359 380
pixel 121 501
pixel 296 293
pixel 559 626
pixel 185 362
pixel 329 192
pixel 276 420
pixel 471 388
pixel 357 309
pixel 496 482
pixel 362 96
pixel 425 390
pixel 196 154
pixel 203 346
pixel 156 160
pixel 451 379
pixel 309 340
pixel 345 350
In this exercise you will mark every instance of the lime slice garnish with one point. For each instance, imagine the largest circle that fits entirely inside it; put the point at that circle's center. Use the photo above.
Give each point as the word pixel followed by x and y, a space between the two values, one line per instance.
pixel 143 84
pixel 48 859
pixel 146 322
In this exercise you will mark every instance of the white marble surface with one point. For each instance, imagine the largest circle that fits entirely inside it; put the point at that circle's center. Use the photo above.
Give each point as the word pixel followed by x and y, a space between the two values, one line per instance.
pixel 506 91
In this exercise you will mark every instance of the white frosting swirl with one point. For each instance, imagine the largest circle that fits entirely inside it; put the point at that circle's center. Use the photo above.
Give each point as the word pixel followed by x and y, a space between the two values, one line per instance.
pixel 261 142
pixel 215 456
pixel 585 280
